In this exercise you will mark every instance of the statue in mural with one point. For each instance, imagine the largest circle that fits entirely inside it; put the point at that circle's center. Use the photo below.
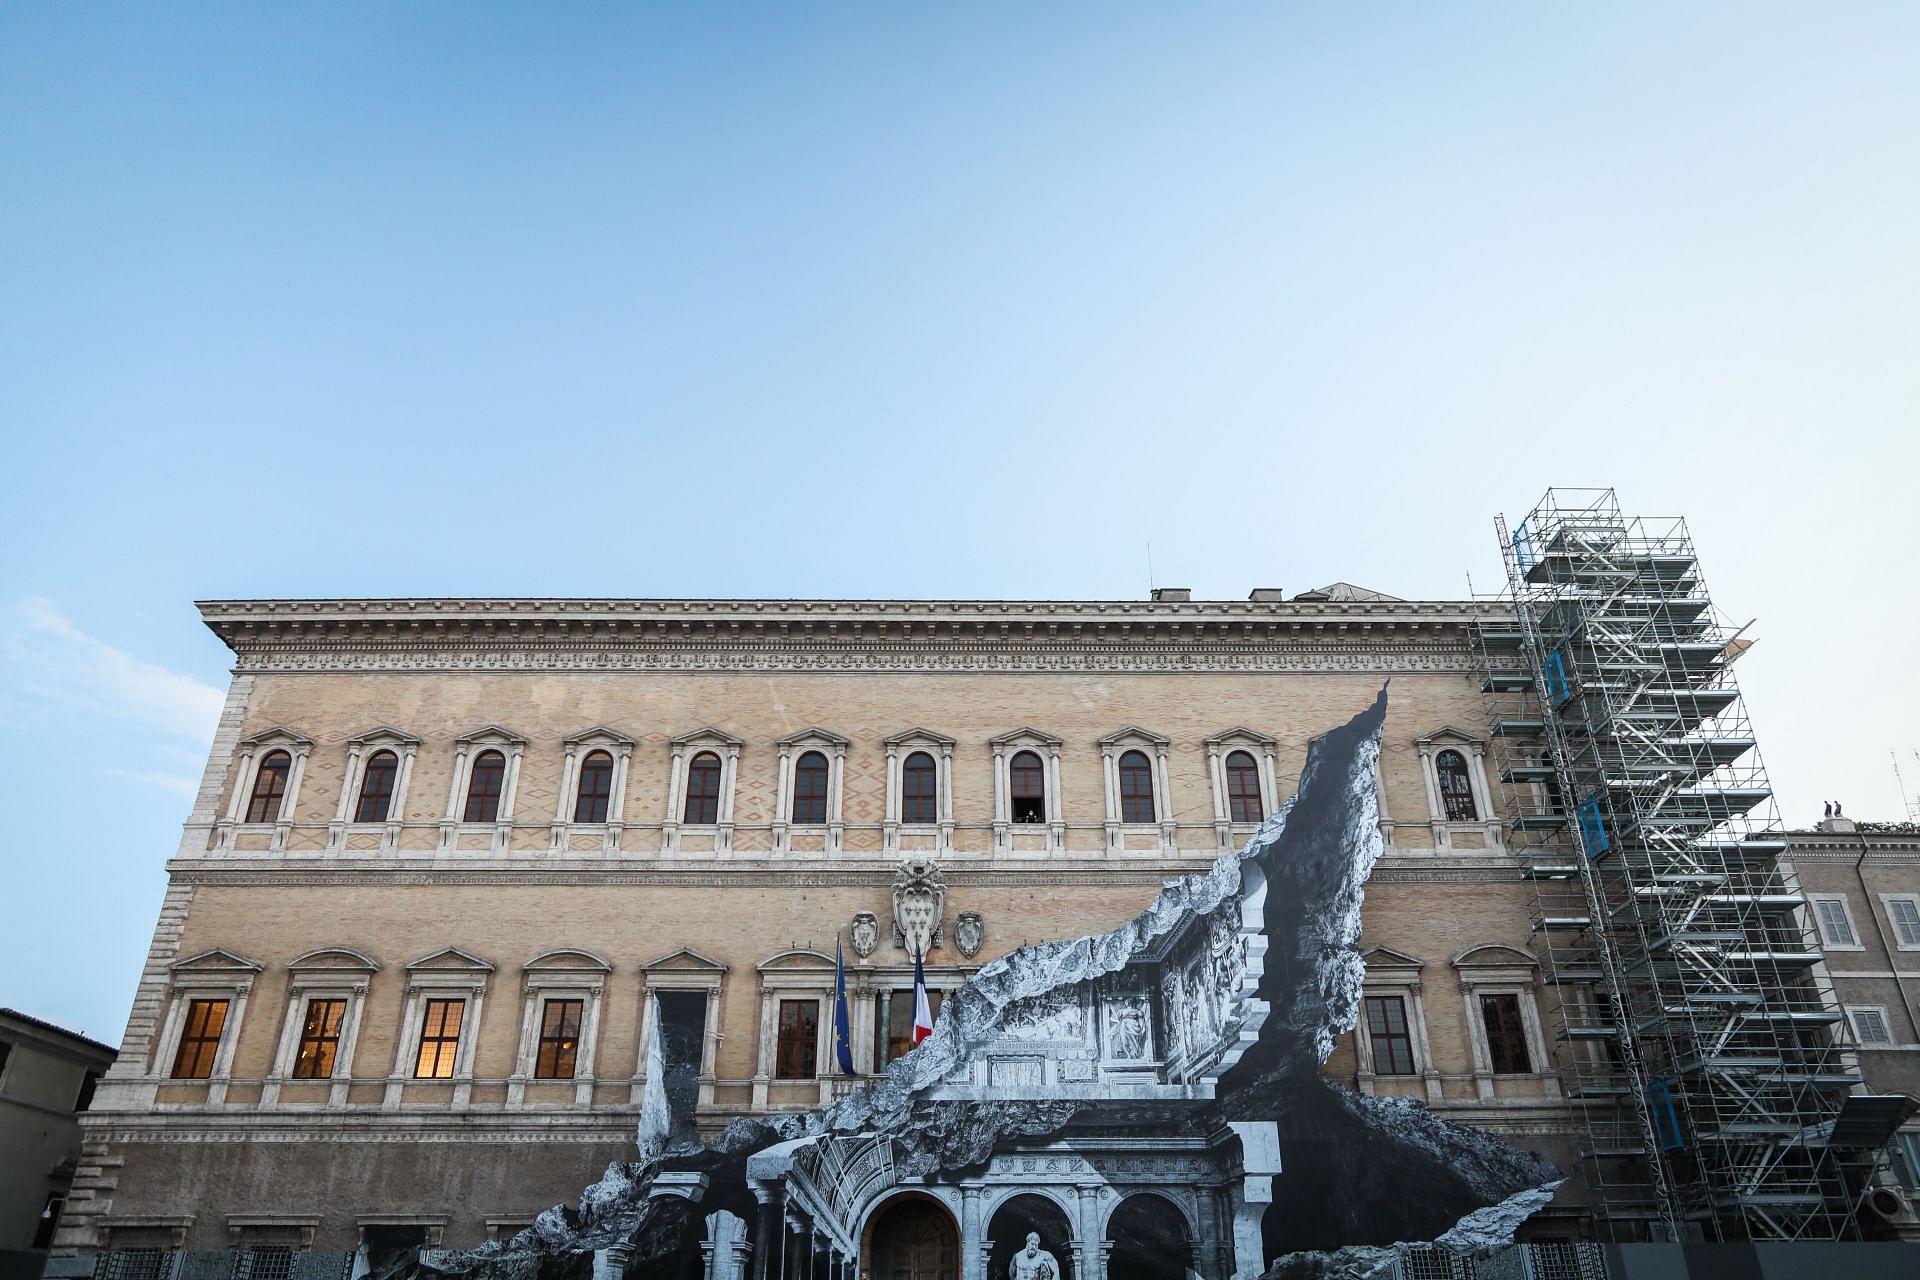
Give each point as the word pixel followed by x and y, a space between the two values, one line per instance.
pixel 1033 1262
pixel 1127 1038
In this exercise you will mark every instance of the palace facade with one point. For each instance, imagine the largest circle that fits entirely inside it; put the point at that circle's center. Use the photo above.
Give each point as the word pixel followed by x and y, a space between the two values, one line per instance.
pixel 452 860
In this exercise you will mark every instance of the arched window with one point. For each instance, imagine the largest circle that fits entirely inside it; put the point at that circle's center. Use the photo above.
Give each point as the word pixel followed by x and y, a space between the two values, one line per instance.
pixel 1136 787
pixel 596 788
pixel 269 787
pixel 376 787
pixel 918 782
pixel 810 789
pixel 1456 789
pixel 1027 783
pixel 484 785
pixel 703 790
pixel 1243 788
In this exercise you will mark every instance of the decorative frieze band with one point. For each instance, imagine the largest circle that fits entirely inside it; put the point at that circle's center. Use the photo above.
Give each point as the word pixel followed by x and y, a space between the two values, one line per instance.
pixel 1453 658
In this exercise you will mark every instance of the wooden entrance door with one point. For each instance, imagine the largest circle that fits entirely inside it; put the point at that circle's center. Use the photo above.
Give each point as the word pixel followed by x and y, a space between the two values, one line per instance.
pixel 914 1239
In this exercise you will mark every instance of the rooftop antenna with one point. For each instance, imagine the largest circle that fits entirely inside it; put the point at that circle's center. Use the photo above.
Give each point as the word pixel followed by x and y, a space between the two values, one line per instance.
pixel 1149 568
pixel 1912 807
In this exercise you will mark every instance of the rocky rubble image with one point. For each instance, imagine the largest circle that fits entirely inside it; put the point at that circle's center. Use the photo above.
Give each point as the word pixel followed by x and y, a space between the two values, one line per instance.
pixel 1145 1102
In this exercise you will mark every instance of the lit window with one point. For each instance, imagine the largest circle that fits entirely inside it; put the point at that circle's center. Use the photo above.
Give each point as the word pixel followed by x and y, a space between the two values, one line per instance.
pixel 1136 788
pixel 918 784
pixel 810 789
pixel 1388 1034
pixel 376 787
pixel 1027 779
pixel 1456 789
pixel 797 1050
pixel 703 790
pixel 559 1040
pixel 269 787
pixel 1243 788
pixel 484 786
pixel 440 1039
pixel 1506 1037
pixel 596 788
pixel 199 1039
pixel 319 1040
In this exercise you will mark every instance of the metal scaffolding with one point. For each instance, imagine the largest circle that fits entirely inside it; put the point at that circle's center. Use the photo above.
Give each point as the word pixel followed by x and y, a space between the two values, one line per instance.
pixel 1697 1035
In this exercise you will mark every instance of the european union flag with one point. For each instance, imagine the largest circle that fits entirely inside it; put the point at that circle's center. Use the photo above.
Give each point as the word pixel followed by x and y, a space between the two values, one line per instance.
pixel 842 1036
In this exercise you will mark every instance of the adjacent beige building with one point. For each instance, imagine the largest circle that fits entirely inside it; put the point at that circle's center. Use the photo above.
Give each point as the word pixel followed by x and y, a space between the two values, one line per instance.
pixel 450 857
pixel 47 1077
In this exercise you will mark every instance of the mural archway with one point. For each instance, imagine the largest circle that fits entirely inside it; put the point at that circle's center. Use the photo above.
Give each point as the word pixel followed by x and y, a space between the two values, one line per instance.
pixel 1020 1214
pixel 1151 1239
pixel 911 1236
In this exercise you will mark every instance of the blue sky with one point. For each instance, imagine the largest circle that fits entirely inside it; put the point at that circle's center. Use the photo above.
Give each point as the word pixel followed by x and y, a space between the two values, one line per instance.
pixel 919 301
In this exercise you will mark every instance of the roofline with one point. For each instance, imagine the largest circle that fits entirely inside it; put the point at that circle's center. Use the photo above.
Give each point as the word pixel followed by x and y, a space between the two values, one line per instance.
pixel 280 622
pixel 43 1025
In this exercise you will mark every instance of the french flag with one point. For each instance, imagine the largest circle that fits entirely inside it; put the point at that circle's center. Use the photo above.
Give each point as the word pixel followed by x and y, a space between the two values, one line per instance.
pixel 922 1015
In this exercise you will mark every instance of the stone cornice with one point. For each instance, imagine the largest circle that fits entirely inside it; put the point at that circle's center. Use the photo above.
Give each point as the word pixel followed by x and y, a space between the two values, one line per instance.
pixel 843 636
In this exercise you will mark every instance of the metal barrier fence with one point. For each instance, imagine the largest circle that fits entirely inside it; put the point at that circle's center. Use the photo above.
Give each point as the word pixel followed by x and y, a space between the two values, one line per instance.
pixel 1552 1260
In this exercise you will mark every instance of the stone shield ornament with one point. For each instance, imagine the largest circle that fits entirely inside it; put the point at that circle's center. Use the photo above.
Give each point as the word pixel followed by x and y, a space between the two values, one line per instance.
pixel 969 932
pixel 866 933
pixel 919 897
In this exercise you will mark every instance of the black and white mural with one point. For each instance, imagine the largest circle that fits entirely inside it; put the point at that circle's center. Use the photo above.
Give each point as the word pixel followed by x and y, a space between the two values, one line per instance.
pixel 1146 1102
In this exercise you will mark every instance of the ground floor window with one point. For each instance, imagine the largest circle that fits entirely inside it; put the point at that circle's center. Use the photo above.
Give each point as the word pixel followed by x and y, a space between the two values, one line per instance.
pixel 1389 1035
pixel 797 1051
pixel 896 1031
pixel 1506 1036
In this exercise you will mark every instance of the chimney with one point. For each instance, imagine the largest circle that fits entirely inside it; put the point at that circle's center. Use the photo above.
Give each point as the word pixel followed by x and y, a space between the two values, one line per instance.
pixel 1172 595
pixel 1272 595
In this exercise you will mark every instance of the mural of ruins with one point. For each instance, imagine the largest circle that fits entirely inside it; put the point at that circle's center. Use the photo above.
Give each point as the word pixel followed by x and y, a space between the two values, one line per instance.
pixel 1113 1106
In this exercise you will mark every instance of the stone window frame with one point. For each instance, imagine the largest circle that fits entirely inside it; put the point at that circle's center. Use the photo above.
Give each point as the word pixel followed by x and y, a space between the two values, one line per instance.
pixel 1500 969
pixel 1886 1024
pixel 560 973
pixel 1886 907
pixel 433 1226
pixel 1396 973
pixel 213 974
pixel 796 973
pixel 680 751
pixel 253 750
pixel 1474 750
pixel 578 747
pixel 360 749
pixel 1005 747
pixel 682 969
pixel 1264 750
pixel 324 973
pixel 1820 925
pixel 1155 747
pixel 467 748
pixel 898 747
pixel 447 973
pixel 791 748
